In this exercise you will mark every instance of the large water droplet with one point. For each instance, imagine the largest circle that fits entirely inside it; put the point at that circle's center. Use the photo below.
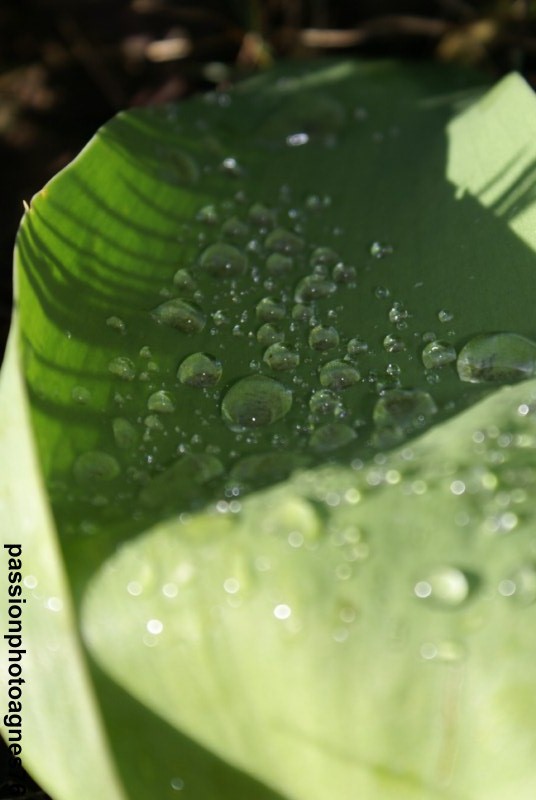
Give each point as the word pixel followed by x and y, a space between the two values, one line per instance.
pixel 313 287
pixel 223 260
pixel 323 338
pixel 338 375
pixel 181 315
pixel 280 358
pixel 269 310
pixel 200 370
pixel 331 436
pixel 255 401
pixel 284 241
pixel 447 587
pixel 497 358
pixel 404 408
pixel 437 354
pixel 95 466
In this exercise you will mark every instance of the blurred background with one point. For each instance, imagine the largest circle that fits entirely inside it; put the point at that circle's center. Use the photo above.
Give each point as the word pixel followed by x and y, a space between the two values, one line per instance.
pixel 67 66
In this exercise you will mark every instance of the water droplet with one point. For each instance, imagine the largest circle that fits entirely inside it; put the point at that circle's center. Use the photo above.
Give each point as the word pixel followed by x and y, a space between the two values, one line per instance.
pixel 200 370
pixel 523 583
pixel 123 368
pixel 223 260
pixel 397 313
pixel 338 375
pixel 321 338
pixel 404 409
pixel 255 401
pixel 382 292
pixel 343 273
pixel 208 215
pixel 184 281
pixel 445 316
pixel 278 263
pixel 95 466
pixel 356 347
pixel 447 587
pixel 297 139
pixel 437 354
pixel 283 241
pixel 331 436
pixel 125 433
pixel 499 357
pixel 161 402
pixel 324 255
pixel 268 334
pixel 393 344
pixel 261 216
pixel 81 395
pixel 178 314
pixel 117 324
pixel 234 228
pixel 263 468
pixel 301 313
pixel 269 310
pixel 313 287
pixel 379 250
pixel 230 166
pixel 179 481
pixel 324 401
pixel 280 358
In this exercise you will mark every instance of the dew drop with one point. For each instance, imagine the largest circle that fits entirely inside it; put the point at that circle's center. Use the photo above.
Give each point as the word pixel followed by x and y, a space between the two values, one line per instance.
pixel 261 216
pixel 325 401
pixel 379 250
pixel 161 402
pixel 324 255
pixel 117 324
pixel 200 370
pixel 234 228
pixel 125 433
pixel 499 357
pixel 331 436
pixel 255 401
pixel 81 395
pixel 323 338
pixel 264 468
pixel 95 466
pixel 278 263
pixel 269 310
pixel 448 587
pixel 343 273
pixel 280 358
pixel 445 316
pixel 404 408
pixel 394 344
pixel 184 281
pixel 313 287
pixel 282 240
pixel 123 368
pixel 208 215
pixel 181 315
pixel 269 334
pixel 397 313
pixel 223 260
pixel 356 347
pixel 338 375
pixel 437 354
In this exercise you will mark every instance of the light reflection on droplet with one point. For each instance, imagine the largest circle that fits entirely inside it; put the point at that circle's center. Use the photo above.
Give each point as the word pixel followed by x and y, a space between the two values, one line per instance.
pixel 523 409
pixel 54 604
pixel 507 588
pixel 134 588
pixel 422 589
pixel 177 784
pixel 155 626
pixel 231 585
pixel 170 590
pixel 30 581
pixel 282 611
pixel 457 487
pixel 295 539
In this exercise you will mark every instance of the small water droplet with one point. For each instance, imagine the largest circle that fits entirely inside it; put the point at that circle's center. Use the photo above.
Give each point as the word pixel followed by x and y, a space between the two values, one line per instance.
pixel 281 240
pixel 280 358
pixel 301 313
pixel 184 281
pixel 497 358
pixel 338 375
pixel 81 395
pixel 356 347
pixel 95 466
pixel 331 436
pixel 379 250
pixel 445 316
pixel 161 402
pixel 343 273
pixel 123 368
pixel 278 263
pixel 325 401
pixel 117 324
pixel 234 228
pixel 208 214
pixel 223 260
pixel 180 315
pixel 261 216
pixel 394 344
pixel 437 354
pixel 404 409
pixel 324 255
pixel 323 338
pixel 397 313
pixel 255 401
pixel 200 370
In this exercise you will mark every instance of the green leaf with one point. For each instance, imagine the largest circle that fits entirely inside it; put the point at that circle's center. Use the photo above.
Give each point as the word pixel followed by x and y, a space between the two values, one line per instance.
pixel 358 629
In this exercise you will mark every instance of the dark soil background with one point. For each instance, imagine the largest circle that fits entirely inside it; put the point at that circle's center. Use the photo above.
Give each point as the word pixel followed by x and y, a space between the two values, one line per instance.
pixel 67 66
